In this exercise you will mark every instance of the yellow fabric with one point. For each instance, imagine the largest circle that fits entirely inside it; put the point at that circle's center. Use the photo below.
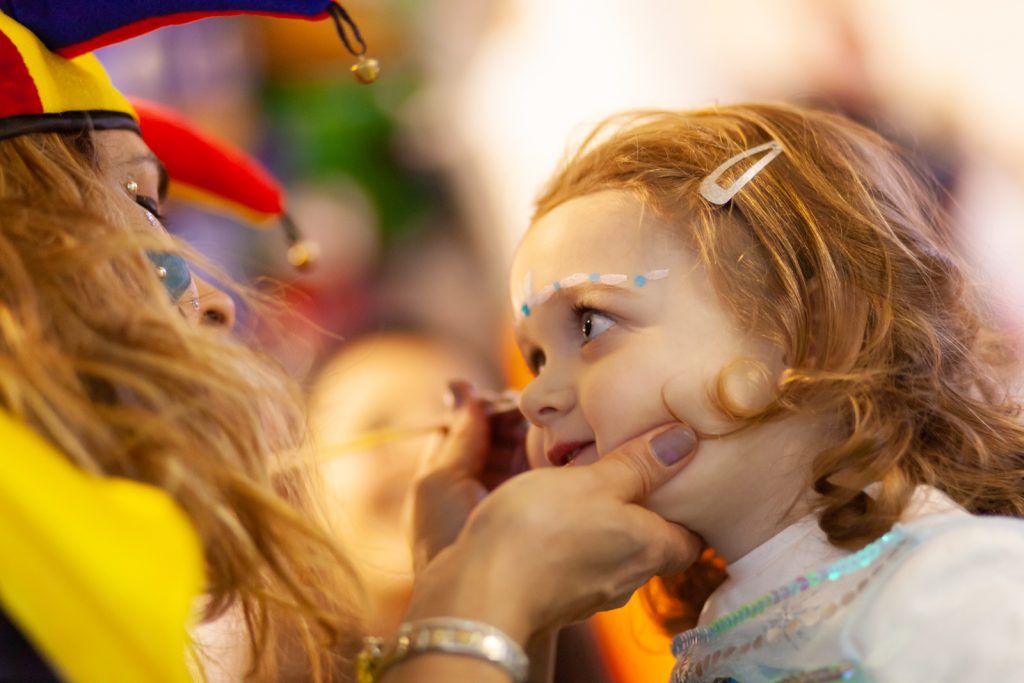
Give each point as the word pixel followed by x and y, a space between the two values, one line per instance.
pixel 100 574
pixel 79 84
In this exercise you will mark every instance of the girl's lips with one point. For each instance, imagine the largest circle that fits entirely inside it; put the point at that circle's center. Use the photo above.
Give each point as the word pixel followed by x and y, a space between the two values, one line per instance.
pixel 564 453
pixel 587 455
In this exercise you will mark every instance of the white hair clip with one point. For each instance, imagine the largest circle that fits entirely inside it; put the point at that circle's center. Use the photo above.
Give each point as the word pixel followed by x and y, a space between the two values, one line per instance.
pixel 716 194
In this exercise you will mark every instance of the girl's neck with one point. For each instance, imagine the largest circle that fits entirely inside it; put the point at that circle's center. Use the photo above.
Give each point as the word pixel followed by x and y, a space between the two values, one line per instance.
pixel 760 509
pixel 758 529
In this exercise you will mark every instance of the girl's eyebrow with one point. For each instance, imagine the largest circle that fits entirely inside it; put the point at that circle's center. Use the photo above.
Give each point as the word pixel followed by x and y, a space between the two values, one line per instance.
pixel 571 294
pixel 590 288
pixel 616 283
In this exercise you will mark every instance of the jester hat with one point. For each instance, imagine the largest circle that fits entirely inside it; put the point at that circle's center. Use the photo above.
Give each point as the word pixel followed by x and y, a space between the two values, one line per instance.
pixel 51 82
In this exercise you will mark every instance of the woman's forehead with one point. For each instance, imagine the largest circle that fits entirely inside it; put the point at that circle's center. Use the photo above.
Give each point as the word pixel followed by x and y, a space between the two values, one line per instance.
pixel 122 155
pixel 115 148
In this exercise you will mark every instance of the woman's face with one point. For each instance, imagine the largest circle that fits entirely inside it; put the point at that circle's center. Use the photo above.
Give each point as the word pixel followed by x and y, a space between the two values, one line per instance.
pixel 131 168
pixel 615 356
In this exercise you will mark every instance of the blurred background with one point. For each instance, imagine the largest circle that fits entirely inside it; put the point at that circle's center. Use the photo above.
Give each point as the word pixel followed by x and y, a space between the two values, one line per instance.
pixel 418 187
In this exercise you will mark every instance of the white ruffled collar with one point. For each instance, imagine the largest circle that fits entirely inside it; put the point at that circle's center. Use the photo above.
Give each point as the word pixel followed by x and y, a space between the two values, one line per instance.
pixel 800 547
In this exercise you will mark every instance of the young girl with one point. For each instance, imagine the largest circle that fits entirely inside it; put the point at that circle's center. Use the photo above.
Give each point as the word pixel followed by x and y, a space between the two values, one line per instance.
pixel 779 279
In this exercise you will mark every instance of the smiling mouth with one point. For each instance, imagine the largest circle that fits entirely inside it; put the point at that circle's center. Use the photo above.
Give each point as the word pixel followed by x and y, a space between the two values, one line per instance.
pixel 563 454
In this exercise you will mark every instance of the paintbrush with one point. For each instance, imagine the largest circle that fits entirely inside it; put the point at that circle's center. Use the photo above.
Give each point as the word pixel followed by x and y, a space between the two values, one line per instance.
pixel 496 405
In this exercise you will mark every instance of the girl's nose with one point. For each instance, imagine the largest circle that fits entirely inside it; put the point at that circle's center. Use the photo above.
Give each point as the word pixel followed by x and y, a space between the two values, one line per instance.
pixel 542 403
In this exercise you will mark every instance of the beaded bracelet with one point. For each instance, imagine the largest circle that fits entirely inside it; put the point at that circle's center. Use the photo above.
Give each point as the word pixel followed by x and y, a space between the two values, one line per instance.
pixel 447 635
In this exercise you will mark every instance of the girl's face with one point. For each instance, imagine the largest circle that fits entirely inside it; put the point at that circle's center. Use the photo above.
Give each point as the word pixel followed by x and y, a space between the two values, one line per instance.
pixel 123 158
pixel 615 356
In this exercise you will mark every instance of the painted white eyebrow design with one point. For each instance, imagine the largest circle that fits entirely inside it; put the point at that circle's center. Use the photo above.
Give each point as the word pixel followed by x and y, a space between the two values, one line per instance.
pixel 527 299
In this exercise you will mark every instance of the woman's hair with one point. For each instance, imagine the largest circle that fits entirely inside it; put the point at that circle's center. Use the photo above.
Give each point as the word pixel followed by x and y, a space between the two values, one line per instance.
pixel 94 357
pixel 839 253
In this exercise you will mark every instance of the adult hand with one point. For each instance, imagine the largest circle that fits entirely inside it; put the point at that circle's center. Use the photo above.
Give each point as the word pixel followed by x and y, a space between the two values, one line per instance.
pixel 477 455
pixel 554 546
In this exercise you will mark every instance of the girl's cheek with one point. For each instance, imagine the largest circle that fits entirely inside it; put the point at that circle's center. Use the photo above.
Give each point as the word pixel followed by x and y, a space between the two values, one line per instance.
pixel 602 385
pixel 743 385
pixel 688 398
pixel 620 399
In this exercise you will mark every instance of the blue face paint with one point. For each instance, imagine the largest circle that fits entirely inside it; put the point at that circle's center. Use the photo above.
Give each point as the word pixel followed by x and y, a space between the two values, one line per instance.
pixel 528 299
pixel 176 276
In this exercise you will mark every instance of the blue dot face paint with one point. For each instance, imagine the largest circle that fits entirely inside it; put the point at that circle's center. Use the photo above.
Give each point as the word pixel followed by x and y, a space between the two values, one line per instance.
pixel 528 299
pixel 173 271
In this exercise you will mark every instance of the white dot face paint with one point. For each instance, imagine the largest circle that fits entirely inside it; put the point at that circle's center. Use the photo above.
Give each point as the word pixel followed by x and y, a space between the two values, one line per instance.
pixel 614 279
pixel 527 300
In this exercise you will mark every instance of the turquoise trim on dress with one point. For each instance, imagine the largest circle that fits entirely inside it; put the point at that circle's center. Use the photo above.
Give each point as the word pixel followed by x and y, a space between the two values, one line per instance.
pixel 856 562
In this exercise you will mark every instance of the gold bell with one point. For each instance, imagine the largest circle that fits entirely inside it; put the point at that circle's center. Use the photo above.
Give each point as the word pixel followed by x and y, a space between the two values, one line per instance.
pixel 303 254
pixel 366 70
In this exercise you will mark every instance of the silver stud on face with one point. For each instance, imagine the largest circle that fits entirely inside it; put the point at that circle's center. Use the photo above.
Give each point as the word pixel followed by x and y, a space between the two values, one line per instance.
pixel 161 272
pixel 132 187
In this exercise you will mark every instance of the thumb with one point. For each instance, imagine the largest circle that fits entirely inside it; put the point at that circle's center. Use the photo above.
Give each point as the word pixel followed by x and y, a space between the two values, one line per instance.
pixel 638 467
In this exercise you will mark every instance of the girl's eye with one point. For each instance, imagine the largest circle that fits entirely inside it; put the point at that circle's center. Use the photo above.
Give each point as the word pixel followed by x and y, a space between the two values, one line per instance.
pixel 593 324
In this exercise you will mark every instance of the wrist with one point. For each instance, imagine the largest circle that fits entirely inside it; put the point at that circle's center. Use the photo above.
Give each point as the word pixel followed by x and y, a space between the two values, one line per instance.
pixel 445 636
pixel 480 588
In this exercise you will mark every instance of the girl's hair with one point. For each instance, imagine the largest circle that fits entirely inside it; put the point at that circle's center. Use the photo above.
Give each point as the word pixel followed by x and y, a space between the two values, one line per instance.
pixel 95 358
pixel 839 253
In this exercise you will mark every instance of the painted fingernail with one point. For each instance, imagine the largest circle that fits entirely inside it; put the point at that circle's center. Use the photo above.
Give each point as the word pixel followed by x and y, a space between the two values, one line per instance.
pixel 672 445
